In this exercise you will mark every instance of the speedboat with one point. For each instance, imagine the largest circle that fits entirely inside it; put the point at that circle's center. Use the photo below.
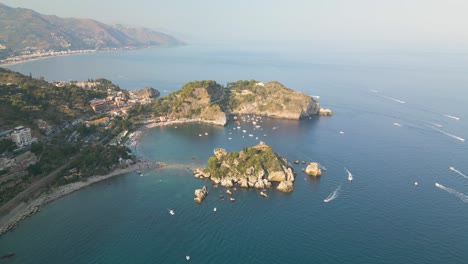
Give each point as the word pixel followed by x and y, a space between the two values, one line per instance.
pixel 172 212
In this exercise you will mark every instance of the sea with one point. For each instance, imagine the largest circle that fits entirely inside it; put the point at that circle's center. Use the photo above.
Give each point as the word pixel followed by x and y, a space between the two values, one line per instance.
pixel 399 124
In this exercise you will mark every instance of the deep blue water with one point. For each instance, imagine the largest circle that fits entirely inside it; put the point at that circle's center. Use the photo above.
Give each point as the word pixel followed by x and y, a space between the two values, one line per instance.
pixel 380 217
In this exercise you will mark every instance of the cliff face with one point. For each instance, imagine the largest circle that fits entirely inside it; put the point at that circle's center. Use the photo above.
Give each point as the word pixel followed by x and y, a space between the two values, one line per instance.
pixel 198 99
pixel 271 99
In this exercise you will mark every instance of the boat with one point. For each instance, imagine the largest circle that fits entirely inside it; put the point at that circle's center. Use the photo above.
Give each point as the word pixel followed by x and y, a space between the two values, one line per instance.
pixel 171 212
pixel 214 209
pixel 206 133
pixel 232 199
pixel 416 183
pixel 451 168
pixel 350 175
pixel 187 257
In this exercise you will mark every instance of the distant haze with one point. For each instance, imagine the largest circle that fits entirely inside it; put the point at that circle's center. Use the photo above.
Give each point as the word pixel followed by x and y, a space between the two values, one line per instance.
pixel 428 25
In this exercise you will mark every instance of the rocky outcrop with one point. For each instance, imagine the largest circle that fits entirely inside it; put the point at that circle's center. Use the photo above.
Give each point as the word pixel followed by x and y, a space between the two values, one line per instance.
pixel 198 173
pixel 285 186
pixel 219 152
pixel 200 194
pixel 214 115
pixel 277 176
pixel 313 169
pixel 325 112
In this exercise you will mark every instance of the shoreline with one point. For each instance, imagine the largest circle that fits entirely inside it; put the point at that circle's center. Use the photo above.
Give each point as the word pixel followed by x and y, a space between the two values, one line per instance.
pixel 135 136
pixel 25 210
pixel 47 55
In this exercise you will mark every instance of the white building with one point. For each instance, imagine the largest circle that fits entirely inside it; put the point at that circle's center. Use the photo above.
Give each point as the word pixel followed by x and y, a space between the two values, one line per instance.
pixel 21 136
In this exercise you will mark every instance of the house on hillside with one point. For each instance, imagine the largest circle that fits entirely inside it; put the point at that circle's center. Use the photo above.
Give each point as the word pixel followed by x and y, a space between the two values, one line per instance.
pixel 21 136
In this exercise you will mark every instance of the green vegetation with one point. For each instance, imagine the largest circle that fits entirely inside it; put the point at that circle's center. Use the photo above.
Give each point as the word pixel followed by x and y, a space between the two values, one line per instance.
pixel 189 102
pixel 25 99
pixel 6 145
pixel 235 164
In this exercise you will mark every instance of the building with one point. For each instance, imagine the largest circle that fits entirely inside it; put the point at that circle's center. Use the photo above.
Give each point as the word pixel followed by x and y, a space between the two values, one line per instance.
pixel 21 136
pixel 101 121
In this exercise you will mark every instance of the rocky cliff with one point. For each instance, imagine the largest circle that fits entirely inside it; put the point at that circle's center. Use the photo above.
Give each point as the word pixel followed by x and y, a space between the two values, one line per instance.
pixel 253 167
pixel 271 99
pixel 211 102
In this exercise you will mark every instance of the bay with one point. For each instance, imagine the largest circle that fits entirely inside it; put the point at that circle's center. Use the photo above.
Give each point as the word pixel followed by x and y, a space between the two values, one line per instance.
pixel 379 217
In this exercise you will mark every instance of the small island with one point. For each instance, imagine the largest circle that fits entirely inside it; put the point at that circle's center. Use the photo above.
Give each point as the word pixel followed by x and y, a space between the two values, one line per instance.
pixel 254 167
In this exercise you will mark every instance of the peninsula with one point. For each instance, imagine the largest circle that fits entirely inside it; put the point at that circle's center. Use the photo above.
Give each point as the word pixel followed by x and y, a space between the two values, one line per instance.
pixel 210 102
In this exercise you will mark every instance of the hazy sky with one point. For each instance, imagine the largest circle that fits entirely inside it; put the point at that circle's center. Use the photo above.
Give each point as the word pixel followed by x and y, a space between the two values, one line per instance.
pixel 438 24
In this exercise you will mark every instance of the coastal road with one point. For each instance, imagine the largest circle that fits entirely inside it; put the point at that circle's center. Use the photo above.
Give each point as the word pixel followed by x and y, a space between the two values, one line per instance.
pixel 32 189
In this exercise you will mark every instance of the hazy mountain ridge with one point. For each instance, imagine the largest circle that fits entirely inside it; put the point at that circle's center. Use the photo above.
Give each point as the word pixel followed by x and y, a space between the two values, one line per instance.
pixel 24 30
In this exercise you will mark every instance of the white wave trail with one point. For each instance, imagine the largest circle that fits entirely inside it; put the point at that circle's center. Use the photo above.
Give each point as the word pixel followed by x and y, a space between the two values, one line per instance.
pixel 460 195
pixel 459 172
pixel 450 116
pixel 450 135
pixel 374 91
pixel 435 124
pixel 393 99
pixel 333 195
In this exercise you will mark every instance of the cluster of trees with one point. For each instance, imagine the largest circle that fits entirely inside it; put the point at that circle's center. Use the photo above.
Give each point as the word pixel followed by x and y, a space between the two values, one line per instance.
pixel 30 98
pixel 263 158
pixel 6 145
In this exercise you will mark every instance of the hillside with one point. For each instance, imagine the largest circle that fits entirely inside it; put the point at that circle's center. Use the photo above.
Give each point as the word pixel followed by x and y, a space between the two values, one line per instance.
pixel 270 99
pixel 23 99
pixel 212 102
pixel 23 31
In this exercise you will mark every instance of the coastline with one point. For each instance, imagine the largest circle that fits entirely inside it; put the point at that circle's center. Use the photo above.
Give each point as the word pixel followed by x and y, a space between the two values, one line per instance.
pixel 25 210
pixel 17 60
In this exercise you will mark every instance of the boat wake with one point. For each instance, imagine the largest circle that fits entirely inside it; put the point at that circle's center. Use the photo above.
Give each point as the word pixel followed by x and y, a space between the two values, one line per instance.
pixel 435 124
pixel 450 116
pixel 350 175
pixel 448 134
pixel 397 124
pixel 458 194
pixel 333 195
pixel 459 172
pixel 392 99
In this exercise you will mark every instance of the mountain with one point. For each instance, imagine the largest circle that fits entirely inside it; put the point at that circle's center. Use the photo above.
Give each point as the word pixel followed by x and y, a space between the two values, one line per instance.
pixel 24 30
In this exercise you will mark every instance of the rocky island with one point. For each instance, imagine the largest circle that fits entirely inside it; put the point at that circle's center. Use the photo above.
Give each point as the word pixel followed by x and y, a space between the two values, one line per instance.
pixel 254 167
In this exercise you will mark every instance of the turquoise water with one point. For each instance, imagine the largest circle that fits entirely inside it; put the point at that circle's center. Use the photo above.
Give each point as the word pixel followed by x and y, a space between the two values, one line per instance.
pixel 379 217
